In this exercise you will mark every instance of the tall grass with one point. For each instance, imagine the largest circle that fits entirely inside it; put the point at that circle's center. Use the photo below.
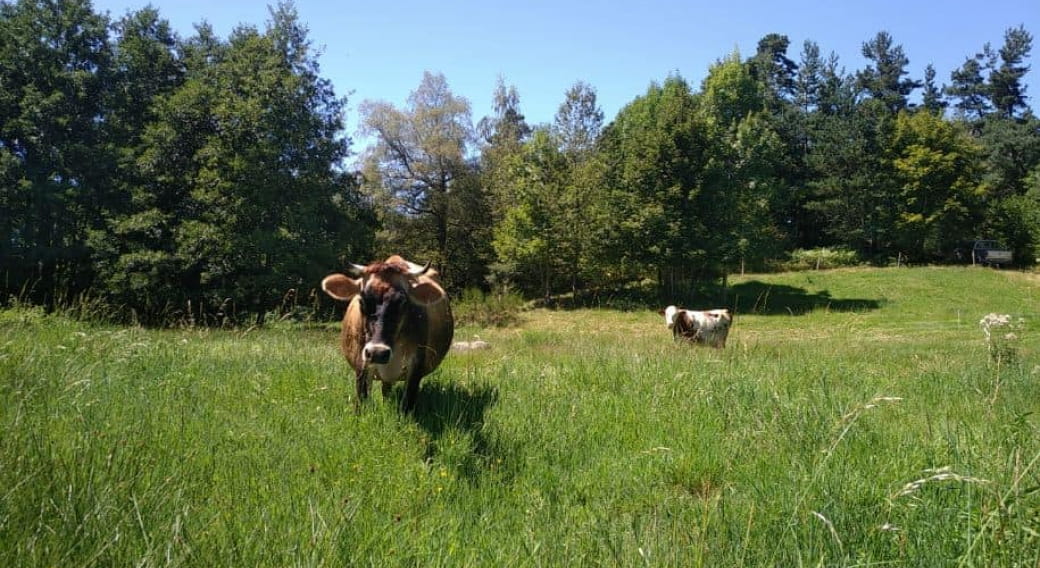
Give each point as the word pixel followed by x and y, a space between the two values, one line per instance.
pixel 853 419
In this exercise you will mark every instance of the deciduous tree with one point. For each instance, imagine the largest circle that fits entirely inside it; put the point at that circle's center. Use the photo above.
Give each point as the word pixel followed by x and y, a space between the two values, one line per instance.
pixel 245 200
pixel 419 156
pixel 742 179
pixel 54 63
pixel 936 164
pixel 528 241
pixel 655 150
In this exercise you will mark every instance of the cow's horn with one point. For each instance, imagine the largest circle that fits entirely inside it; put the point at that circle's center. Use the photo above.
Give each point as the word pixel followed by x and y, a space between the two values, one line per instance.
pixel 416 270
pixel 355 270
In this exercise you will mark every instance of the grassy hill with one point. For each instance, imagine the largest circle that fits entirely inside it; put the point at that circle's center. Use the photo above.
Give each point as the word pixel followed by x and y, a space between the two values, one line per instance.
pixel 857 417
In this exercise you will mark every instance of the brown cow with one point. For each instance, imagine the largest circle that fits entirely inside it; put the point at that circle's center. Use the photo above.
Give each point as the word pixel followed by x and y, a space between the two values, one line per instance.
pixel 709 327
pixel 398 325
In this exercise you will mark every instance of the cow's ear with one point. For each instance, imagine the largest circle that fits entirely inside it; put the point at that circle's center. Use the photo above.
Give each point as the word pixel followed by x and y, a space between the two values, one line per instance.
pixel 426 292
pixel 341 287
pixel 660 312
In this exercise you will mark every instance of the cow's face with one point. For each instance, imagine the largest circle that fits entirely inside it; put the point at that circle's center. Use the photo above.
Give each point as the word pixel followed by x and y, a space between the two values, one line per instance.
pixel 383 308
pixel 669 314
pixel 385 292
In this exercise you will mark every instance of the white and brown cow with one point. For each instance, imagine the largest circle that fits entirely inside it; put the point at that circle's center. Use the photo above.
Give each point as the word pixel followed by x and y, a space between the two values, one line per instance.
pixel 397 327
pixel 710 327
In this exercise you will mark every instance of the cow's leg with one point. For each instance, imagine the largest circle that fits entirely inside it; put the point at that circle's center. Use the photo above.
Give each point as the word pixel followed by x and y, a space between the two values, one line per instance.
pixel 362 390
pixel 411 391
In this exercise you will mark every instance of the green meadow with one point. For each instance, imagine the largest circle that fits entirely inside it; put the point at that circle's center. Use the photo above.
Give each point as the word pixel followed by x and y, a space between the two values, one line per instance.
pixel 857 417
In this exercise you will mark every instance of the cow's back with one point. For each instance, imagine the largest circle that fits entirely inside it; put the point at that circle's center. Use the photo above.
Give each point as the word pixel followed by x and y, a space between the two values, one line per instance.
pixel 710 327
pixel 441 327
pixel 439 334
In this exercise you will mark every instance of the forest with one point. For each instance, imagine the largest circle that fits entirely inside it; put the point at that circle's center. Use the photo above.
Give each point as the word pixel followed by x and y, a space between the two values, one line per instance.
pixel 174 177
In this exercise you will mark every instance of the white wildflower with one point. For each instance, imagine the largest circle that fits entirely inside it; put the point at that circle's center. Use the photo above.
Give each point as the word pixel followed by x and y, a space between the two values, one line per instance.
pixel 1001 336
pixel 993 320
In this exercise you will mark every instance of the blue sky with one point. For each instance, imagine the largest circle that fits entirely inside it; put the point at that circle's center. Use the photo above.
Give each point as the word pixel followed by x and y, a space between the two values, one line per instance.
pixel 379 50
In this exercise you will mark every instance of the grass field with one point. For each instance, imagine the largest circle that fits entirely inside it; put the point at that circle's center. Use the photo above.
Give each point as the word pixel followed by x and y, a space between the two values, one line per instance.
pixel 856 418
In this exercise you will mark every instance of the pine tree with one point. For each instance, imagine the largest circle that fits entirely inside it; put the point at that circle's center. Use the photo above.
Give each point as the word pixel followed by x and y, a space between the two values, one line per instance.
pixel 968 86
pixel 1007 91
pixel 884 80
pixel 932 99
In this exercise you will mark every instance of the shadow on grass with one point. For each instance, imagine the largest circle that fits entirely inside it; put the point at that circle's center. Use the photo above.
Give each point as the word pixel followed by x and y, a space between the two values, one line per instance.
pixel 753 297
pixel 446 408
pixel 756 297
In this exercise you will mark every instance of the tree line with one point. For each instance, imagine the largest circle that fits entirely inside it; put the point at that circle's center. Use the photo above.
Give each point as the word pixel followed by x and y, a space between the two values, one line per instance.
pixel 204 177
pixel 769 155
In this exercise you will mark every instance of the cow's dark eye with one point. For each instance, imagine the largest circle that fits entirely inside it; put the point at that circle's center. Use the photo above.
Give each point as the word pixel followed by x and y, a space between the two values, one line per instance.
pixel 368 305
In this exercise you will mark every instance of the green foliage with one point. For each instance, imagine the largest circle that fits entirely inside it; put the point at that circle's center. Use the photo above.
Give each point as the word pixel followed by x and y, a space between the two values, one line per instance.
pixel 655 154
pixel 551 207
pixel 931 98
pixel 821 259
pixel 968 86
pixel 1019 225
pixel 499 308
pixel 1008 93
pixel 54 65
pixel 771 67
pixel 741 180
pixel 202 178
pixel 529 237
pixel 578 122
pixel 884 80
pixel 186 175
pixel 1011 151
pixel 419 160
pixel 266 209
pixel 1011 164
pixel 851 188
pixel 935 163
